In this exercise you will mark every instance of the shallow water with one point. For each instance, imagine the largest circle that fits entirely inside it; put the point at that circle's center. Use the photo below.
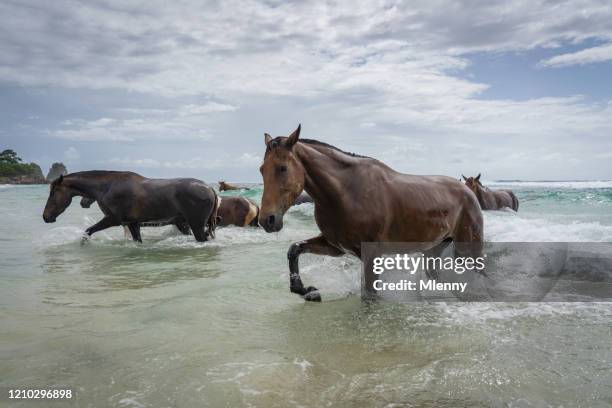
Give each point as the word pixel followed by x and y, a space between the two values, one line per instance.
pixel 172 322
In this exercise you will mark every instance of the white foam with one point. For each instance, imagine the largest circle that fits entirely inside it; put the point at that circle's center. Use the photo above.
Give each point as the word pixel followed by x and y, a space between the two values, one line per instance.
pixel 506 226
pixel 552 184
pixel 462 313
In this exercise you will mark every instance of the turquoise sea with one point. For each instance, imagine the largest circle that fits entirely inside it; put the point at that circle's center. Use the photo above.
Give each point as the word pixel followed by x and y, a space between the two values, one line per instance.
pixel 176 323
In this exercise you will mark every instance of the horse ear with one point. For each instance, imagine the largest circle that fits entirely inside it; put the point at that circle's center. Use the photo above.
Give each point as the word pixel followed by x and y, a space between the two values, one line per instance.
pixel 465 178
pixel 267 138
pixel 293 138
pixel 478 177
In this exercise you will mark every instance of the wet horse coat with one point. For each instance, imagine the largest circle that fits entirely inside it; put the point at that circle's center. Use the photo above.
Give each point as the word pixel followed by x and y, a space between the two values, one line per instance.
pixel 489 199
pixel 183 227
pixel 130 199
pixel 223 186
pixel 237 211
pixel 360 199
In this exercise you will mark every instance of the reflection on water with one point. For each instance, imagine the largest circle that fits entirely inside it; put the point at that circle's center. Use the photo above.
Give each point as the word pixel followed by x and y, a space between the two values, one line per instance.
pixel 129 267
pixel 173 322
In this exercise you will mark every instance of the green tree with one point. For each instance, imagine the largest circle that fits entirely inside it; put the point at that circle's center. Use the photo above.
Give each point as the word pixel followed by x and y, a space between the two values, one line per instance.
pixel 9 156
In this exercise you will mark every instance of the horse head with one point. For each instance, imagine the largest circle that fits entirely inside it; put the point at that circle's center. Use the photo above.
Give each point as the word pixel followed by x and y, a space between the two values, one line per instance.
pixel 284 178
pixel 60 197
pixel 473 182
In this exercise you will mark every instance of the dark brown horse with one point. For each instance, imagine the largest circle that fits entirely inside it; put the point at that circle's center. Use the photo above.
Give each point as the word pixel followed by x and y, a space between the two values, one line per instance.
pixel 237 211
pixel 182 226
pixel 359 199
pixel 489 199
pixel 127 198
pixel 223 186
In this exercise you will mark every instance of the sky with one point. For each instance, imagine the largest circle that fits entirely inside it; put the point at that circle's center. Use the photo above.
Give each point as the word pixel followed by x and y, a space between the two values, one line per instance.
pixel 511 89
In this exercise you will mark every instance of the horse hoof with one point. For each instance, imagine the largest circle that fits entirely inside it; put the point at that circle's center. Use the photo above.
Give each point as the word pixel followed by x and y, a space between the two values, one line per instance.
pixel 312 295
pixel 84 239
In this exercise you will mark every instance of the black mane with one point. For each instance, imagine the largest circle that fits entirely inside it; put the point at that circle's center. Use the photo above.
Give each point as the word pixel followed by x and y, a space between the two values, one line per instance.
pixel 318 143
pixel 98 173
pixel 279 139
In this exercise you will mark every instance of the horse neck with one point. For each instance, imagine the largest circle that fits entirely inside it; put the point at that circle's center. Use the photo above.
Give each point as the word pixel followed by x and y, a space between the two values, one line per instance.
pixel 481 192
pixel 89 187
pixel 323 173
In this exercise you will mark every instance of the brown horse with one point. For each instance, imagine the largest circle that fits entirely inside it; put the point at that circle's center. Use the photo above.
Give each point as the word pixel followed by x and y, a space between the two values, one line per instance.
pixel 223 186
pixel 237 211
pixel 489 199
pixel 127 198
pixel 360 199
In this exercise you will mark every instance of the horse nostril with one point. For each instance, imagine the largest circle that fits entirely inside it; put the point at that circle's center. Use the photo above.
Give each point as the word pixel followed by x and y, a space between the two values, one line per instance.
pixel 270 220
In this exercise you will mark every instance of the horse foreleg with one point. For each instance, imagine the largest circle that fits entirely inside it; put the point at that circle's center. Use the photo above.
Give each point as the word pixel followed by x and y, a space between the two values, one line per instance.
pixel 183 227
pixel 103 224
pixel 135 231
pixel 317 245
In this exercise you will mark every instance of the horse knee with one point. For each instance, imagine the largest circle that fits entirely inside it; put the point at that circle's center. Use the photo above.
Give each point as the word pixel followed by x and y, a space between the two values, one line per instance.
pixel 294 250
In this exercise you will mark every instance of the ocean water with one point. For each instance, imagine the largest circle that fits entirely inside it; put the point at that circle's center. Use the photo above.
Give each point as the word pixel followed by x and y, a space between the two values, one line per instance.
pixel 172 322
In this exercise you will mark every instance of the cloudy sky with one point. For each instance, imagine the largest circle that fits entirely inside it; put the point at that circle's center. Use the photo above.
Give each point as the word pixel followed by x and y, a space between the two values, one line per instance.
pixel 515 90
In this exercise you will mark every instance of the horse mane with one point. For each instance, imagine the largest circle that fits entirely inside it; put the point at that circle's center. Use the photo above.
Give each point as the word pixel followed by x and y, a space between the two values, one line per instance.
pixel 327 145
pixel 100 173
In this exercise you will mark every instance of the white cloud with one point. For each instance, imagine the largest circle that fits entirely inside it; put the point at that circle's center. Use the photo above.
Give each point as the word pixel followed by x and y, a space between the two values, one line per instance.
pixel 210 107
pixel 254 47
pixel 72 154
pixel 364 75
pixel 591 55
pixel 130 130
pixel 245 160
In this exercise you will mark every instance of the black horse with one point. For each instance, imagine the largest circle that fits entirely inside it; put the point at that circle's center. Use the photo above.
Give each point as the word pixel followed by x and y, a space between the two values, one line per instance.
pixel 130 199
pixel 181 225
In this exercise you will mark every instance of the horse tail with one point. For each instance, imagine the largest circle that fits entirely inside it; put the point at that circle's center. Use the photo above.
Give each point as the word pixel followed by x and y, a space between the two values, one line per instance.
pixel 212 219
pixel 515 201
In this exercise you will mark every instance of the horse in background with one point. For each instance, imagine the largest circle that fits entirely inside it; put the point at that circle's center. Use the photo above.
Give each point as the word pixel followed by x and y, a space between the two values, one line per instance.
pixel 127 198
pixel 360 199
pixel 223 186
pixel 489 199
pixel 238 211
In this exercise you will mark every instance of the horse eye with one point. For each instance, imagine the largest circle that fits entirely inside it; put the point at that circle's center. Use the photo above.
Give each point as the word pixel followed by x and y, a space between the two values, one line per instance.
pixel 282 169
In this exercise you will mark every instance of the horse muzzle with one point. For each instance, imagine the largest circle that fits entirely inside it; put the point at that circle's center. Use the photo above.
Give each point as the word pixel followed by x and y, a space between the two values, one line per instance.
pixel 271 223
pixel 48 219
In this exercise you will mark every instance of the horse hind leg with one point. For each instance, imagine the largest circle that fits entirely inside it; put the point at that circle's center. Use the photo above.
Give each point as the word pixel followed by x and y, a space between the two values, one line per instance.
pixel 197 228
pixel 196 218
pixel 183 227
pixel 134 228
pixel 436 252
pixel 469 232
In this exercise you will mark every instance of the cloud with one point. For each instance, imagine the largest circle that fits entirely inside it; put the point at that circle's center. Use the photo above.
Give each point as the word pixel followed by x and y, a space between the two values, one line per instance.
pixel 363 75
pixel 71 154
pixel 188 122
pixel 210 107
pixel 591 55
pixel 245 160
pixel 257 47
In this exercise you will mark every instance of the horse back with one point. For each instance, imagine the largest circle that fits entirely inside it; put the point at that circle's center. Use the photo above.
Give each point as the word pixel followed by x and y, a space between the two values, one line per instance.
pixel 143 199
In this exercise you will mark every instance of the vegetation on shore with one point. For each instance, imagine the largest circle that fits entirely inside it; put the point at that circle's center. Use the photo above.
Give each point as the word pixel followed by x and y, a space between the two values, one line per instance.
pixel 14 171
